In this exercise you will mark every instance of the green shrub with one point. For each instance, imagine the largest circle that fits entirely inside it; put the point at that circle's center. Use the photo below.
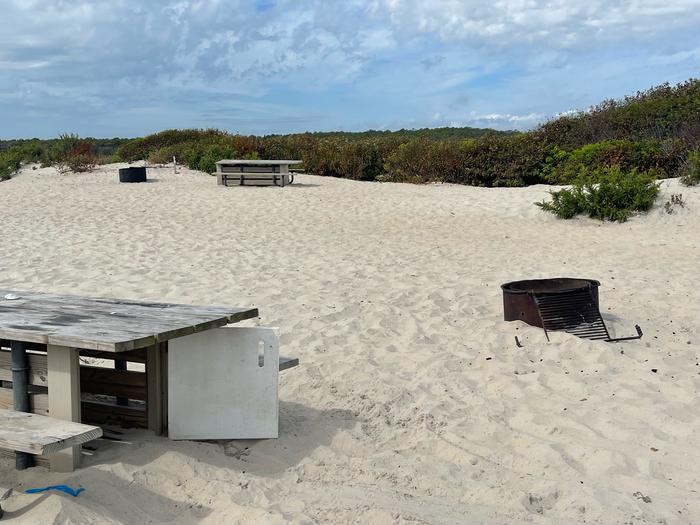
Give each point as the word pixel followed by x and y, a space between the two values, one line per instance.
pixel 71 153
pixel 690 171
pixel 357 159
pixel 62 148
pixel 490 160
pixel 12 158
pixel 79 162
pixel 210 155
pixel 165 154
pixel 418 161
pixel 502 160
pixel 642 156
pixel 607 194
pixel 658 113
pixel 179 140
pixel 10 162
pixel 199 154
pixel 142 148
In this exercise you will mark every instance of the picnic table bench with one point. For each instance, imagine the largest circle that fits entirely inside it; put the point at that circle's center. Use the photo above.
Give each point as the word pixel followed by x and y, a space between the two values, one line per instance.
pixel 35 434
pixel 241 172
pixel 52 331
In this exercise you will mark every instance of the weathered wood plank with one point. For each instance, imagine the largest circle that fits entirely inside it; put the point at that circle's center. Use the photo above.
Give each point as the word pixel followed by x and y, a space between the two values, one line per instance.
pixel 92 412
pixel 98 413
pixel 132 356
pixel 35 434
pixel 37 368
pixel 5 345
pixel 39 403
pixel 109 325
pixel 164 388
pixel 257 162
pixel 288 362
pixel 39 461
pixel 107 381
pixel 155 389
pixel 64 399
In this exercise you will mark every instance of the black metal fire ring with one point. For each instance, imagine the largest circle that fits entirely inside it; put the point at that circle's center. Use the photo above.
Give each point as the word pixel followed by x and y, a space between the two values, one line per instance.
pixel 558 304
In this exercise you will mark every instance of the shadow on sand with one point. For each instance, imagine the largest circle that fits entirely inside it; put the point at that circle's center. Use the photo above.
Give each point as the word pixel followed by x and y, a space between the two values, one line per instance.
pixel 302 429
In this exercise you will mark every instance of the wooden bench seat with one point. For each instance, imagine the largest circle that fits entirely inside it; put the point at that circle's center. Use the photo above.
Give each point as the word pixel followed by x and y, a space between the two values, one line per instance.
pixel 257 179
pixel 4 494
pixel 288 362
pixel 41 435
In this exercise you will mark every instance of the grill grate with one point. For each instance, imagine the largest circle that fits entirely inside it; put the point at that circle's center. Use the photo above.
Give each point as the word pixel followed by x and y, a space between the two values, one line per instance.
pixel 573 312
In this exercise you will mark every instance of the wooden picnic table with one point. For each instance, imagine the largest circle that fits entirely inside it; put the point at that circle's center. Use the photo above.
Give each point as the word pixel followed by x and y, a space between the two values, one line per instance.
pixel 67 324
pixel 242 172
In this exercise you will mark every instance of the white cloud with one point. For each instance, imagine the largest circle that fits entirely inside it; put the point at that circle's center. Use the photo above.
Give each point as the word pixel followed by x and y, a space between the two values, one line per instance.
pixel 556 22
pixel 491 120
pixel 509 62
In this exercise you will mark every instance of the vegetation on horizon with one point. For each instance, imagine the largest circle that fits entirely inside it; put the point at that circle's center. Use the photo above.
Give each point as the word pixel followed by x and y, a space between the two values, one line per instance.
pixel 68 153
pixel 611 153
pixel 653 131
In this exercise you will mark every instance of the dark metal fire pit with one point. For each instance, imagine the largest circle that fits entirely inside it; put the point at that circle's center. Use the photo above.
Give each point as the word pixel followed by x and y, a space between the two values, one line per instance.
pixel 132 174
pixel 563 303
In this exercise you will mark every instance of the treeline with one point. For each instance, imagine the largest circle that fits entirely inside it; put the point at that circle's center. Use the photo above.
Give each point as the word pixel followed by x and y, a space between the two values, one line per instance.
pixel 656 132
pixel 429 133
pixel 359 156
pixel 102 147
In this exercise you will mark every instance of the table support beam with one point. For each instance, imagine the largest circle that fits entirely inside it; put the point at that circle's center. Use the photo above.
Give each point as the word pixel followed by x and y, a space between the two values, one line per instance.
pixel 20 393
pixel 120 364
pixel 64 399
pixel 156 375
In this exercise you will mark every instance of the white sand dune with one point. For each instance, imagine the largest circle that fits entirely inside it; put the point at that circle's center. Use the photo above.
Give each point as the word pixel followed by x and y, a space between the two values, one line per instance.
pixel 412 403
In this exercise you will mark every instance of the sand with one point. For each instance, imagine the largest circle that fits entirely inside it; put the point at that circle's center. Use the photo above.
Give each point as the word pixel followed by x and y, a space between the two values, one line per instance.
pixel 412 403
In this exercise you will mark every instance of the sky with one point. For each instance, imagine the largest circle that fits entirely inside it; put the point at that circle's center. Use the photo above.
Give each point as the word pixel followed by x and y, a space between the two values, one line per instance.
pixel 107 68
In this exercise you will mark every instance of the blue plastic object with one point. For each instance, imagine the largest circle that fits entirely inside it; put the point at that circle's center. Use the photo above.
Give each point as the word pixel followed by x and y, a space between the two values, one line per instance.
pixel 63 488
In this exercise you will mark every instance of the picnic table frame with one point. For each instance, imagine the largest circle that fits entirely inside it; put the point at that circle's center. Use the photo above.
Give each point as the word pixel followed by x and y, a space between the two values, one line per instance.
pixel 255 172
pixel 70 325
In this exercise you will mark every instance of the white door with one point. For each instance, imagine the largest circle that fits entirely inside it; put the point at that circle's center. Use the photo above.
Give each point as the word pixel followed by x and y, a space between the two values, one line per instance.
pixel 222 384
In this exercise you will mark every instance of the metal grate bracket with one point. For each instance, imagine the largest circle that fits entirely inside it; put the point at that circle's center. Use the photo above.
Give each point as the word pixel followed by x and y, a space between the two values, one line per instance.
pixel 576 313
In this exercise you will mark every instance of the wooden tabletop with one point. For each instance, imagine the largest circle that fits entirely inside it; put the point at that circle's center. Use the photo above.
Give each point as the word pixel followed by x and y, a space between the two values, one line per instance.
pixel 111 325
pixel 246 162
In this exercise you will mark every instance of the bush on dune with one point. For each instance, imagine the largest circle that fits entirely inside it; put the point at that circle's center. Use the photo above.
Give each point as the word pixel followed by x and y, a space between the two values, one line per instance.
pixel 420 161
pixel 502 160
pixel 10 162
pixel 655 114
pixel 68 153
pixel 690 171
pixel 142 148
pixel 606 194
pixel 491 160
pixel 652 131
pixel 203 157
pixel 71 153
pixel 643 156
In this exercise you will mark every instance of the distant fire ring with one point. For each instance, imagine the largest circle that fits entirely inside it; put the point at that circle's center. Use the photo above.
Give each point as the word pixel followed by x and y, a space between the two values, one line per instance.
pixel 132 174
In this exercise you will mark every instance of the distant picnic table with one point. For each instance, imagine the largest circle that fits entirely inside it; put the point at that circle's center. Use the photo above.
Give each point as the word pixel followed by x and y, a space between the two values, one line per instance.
pixel 243 172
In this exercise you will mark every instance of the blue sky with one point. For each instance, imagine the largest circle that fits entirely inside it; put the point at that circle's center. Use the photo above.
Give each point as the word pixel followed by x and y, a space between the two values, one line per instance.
pixel 125 68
